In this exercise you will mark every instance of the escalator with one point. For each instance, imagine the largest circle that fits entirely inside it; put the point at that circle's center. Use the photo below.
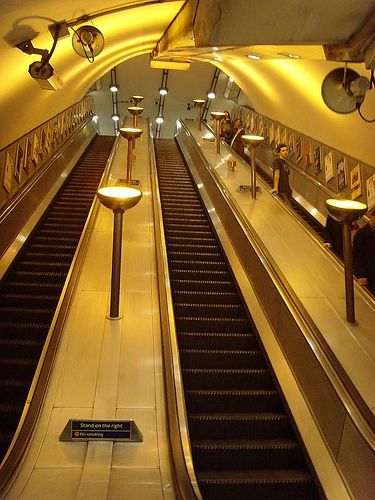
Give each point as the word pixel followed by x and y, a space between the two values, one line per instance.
pixel 244 444
pixel 31 288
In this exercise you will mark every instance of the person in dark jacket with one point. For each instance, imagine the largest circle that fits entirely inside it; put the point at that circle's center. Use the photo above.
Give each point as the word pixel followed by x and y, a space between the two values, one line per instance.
pixel 364 253
pixel 332 236
pixel 236 144
pixel 281 174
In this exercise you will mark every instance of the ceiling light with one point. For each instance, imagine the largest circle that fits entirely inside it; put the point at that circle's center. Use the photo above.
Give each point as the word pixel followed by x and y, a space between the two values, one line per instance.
pixel 113 87
pixel 287 54
pixel 115 117
pixel 159 119
pixel 163 91
pixel 211 95
pixel 254 56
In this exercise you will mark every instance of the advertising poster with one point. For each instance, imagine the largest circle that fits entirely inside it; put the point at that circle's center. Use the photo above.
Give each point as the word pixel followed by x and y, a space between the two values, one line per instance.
pixel 283 137
pixel 341 174
pixel 328 166
pixel 355 182
pixel 8 172
pixel 299 153
pixel 307 154
pixel 28 156
pixel 316 158
pixel 277 136
pixel 291 144
pixel 35 154
pixel 370 189
pixel 19 163
pixel 272 133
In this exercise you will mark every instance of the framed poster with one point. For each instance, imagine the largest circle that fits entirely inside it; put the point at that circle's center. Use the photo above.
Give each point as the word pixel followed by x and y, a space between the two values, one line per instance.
pixel 283 137
pixel 291 144
pixel 261 127
pixel 265 131
pixel 307 154
pixel 43 141
pixel 355 182
pixel 316 159
pixel 299 154
pixel 28 156
pixel 370 189
pixel 8 172
pixel 272 133
pixel 328 166
pixel 19 163
pixel 341 174
pixel 277 136
pixel 35 153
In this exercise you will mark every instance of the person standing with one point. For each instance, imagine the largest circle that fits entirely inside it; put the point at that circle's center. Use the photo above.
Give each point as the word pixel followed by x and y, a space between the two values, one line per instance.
pixel 280 168
pixel 332 236
pixel 227 130
pixel 236 144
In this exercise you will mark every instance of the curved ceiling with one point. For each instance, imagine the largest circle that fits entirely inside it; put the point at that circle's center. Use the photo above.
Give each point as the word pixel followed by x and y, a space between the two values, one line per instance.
pixel 225 33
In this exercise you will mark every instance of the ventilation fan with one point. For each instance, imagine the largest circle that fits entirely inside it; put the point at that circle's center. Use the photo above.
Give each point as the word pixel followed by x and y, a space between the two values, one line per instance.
pixel 343 90
pixel 88 41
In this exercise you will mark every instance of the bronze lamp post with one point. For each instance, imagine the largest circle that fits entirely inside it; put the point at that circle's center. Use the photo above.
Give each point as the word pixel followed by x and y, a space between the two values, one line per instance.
pixel 199 103
pixel 217 116
pixel 252 142
pixel 131 134
pixel 118 199
pixel 346 212
pixel 137 98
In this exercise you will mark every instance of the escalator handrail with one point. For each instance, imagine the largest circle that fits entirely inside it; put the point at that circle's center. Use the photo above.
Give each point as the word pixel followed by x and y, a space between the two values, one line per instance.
pixel 356 407
pixel 177 418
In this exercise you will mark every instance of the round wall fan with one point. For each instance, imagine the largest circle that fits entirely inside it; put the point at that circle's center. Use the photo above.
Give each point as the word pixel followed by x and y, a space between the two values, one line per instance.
pixel 343 90
pixel 87 41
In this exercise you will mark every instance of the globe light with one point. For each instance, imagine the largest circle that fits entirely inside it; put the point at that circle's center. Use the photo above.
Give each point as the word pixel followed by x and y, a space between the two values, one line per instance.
pixel 159 119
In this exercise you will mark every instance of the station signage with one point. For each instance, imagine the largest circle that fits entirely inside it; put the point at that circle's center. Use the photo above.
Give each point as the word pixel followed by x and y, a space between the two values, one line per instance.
pixel 101 430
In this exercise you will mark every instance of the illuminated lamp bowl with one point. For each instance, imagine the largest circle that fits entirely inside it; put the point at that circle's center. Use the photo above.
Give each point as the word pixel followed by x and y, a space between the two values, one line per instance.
pixel 119 198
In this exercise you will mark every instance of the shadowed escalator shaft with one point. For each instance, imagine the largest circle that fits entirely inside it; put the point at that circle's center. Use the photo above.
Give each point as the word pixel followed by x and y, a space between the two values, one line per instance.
pixel 242 438
pixel 31 288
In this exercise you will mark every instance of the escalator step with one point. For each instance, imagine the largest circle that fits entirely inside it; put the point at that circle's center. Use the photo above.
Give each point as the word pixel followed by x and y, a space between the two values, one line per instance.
pixel 17 367
pixel 226 341
pixel 202 286
pixel 196 358
pixel 206 297
pixel 247 454
pixel 240 426
pixel 290 484
pixel 210 324
pixel 224 378
pixel 210 310
pixel 232 401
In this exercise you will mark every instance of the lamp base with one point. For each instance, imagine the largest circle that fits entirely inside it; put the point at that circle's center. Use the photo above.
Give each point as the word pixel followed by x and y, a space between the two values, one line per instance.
pixel 113 318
